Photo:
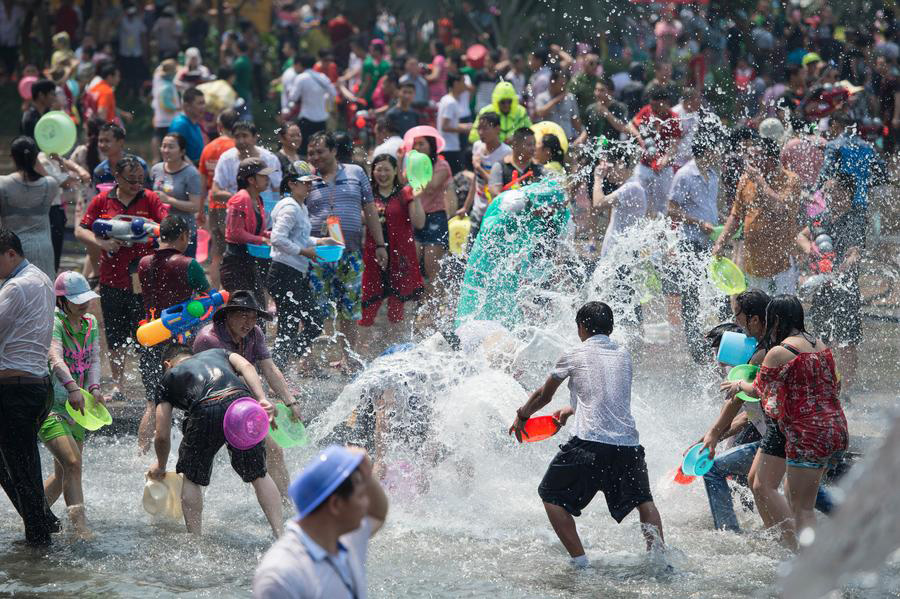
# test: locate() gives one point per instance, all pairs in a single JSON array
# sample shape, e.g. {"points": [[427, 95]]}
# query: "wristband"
{"points": [[69, 382], [92, 387], [381, 245]]}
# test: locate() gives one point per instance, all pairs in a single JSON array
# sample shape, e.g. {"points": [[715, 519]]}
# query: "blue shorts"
{"points": [[435, 231]]}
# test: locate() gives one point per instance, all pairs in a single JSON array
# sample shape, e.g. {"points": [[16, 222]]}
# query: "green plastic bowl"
{"points": [[289, 433], [744, 372], [95, 413], [726, 276]]}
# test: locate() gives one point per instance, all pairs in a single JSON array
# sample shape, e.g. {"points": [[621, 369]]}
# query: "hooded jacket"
{"points": [[516, 119]]}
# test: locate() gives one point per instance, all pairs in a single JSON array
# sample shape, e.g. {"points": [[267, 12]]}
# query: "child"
{"points": [[204, 386], [604, 453], [75, 362], [399, 211]]}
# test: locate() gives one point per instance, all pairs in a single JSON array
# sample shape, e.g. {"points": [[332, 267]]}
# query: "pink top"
{"points": [[241, 225], [432, 197]]}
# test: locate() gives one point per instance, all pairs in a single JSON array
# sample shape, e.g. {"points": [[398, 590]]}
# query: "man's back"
{"points": [[26, 321]]}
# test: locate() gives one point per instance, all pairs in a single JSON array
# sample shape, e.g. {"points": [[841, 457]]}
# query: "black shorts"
{"points": [[435, 231], [204, 436], [773, 441], [454, 160], [836, 314], [122, 311], [582, 468]]}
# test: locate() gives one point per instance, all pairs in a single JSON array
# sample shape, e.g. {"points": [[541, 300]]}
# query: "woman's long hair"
{"points": [[393, 161], [24, 152], [784, 314], [93, 134], [553, 145]]}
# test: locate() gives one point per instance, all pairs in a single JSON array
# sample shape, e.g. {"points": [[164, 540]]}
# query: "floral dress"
{"points": [[802, 398]]}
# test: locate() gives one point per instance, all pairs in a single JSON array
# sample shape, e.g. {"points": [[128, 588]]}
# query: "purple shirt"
{"points": [[216, 336]]}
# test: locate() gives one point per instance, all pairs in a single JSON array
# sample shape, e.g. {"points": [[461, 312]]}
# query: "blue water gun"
{"points": [[181, 319], [127, 229]]}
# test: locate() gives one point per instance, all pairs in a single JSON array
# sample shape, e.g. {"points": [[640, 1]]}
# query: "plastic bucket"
{"points": [[735, 348], [726, 276], [329, 253], [246, 423], [459, 227], [696, 461], [681, 478], [744, 372], [163, 498], [55, 133], [259, 251], [287, 432], [95, 413], [202, 245], [540, 428]]}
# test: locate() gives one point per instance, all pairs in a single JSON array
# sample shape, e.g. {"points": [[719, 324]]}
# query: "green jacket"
{"points": [[516, 119]]}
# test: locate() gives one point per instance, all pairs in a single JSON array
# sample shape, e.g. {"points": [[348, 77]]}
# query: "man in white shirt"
{"points": [[604, 453], [312, 92], [688, 112], [448, 125], [287, 87], [26, 326], [225, 177], [322, 553], [692, 205], [387, 137], [486, 152]]}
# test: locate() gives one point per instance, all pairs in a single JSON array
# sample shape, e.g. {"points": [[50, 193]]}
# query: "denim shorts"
{"points": [[435, 231]]}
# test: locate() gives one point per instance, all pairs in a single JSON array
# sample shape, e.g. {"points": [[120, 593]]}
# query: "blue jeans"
{"points": [[737, 461]]}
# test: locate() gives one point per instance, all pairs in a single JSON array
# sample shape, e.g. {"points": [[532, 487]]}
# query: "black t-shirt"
{"points": [[206, 375], [598, 125], [402, 120], [30, 120]]}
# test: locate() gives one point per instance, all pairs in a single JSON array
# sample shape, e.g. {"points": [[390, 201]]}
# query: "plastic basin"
{"points": [[246, 423], [259, 251], [329, 253], [95, 414], [287, 433], [696, 461], [744, 372], [736, 348], [726, 276]]}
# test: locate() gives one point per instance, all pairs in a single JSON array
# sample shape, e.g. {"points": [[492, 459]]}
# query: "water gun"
{"points": [[825, 245], [517, 180], [127, 229], [181, 319]]}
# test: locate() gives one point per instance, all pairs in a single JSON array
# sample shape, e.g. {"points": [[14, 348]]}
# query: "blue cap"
{"points": [[324, 473]]}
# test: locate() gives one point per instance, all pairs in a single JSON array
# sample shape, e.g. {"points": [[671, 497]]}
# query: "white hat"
{"points": [[771, 128]]}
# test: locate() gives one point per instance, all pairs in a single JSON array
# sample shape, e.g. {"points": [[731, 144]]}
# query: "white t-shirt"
{"points": [[388, 146], [227, 169], [448, 108], [296, 567], [313, 90], [630, 207], [287, 86], [688, 122], [599, 373], [488, 159]]}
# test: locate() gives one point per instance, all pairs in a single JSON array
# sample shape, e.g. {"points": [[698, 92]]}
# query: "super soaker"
{"points": [[181, 318], [127, 229]]}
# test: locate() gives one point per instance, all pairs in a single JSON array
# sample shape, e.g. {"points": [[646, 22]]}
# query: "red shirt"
{"points": [[331, 72], [664, 132], [242, 225], [114, 268], [106, 100], [209, 158]]}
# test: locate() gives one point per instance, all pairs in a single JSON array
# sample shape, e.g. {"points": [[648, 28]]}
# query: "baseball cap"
{"points": [[304, 171], [74, 287], [322, 475], [253, 166], [811, 57]]}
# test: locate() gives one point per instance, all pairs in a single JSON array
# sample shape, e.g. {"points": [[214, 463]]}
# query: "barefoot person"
{"points": [[75, 362], [203, 386], [340, 506], [604, 453]]}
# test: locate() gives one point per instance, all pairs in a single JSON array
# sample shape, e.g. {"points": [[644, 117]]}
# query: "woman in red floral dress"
{"points": [[399, 212], [799, 388]]}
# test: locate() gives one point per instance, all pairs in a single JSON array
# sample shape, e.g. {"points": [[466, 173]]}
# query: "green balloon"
{"points": [[418, 170], [195, 309], [55, 133]]}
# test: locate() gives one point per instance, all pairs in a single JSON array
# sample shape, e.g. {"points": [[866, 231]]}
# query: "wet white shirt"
{"points": [[696, 195], [227, 169], [296, 567], [26, 320], [630, 207], [314, 91], [599, 373]]}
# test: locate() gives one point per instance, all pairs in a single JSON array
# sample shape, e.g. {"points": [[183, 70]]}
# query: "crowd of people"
{"points": [[636, 130]]}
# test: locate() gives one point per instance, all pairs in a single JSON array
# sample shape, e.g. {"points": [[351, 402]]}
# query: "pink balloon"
{"points": [[423, 131], [25, 84]]}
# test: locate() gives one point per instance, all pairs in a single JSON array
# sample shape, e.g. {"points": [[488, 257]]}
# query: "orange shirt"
{"points": [[208, 160], [769, 226], [106, 100]]}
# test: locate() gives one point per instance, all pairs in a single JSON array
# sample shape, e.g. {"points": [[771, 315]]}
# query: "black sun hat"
{"points": [[241, 300]]}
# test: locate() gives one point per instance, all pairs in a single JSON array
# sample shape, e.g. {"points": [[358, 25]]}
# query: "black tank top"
{"points": [[207, 376]]}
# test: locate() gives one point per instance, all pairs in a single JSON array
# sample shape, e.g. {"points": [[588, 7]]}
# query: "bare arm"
{"points": [[416, 213], [248, 372], [219, 194], [192, 205]]}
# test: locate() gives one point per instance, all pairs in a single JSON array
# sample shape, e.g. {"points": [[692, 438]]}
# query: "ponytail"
{"points": [[24, 152]]}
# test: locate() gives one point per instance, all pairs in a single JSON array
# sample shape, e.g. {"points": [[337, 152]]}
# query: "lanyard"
{"points": [[340, 574], [13, 274], [81, 363]]}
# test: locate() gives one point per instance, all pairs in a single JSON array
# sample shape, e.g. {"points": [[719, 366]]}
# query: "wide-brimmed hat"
{"points": [[241, 300]]}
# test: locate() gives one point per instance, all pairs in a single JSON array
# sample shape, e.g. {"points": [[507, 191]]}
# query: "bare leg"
{"points": [[275, 466], [192, 506], [270, 502], [564, 526], [801, 488], [847, 361], [765, 477], [651, 525], [53, 483], [350, 330], [146, 428], [67, 459]]}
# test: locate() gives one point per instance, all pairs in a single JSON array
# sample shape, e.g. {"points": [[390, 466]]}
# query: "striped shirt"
{"points": [[343, 198]]}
